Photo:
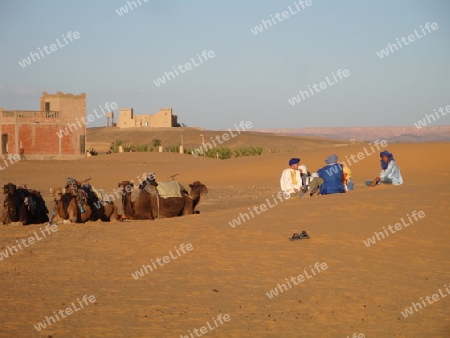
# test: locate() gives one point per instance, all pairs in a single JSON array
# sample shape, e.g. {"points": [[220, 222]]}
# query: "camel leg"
{"points": [[155, 207], [129, 208], [56, 219], [73, 211], [107, 211], [86, 215], [188, 206], [23, 215], [112, 212], [59, 212], [6, 219]]}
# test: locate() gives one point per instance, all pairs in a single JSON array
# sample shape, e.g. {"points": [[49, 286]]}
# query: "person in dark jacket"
{"points": [[330, 178]]}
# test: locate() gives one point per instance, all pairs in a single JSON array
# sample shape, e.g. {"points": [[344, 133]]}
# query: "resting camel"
{"points": [[80, 202], [149, 205], [32, 207], [23, 205], [69, 207]]}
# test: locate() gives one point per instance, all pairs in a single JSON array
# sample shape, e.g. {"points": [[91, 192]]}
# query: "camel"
{"points": [[23, 205], [102, 207], [69, 207], [149, 205], [32, 207]]}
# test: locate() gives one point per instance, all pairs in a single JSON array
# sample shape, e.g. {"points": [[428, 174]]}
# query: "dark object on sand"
{"points": [[297, 236]]}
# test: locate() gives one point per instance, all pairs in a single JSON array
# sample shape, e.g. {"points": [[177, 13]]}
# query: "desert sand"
{"points": [[231, 270]]}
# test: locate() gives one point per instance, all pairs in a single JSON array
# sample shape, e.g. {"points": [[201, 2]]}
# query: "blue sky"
{"points": [[251, 77]]}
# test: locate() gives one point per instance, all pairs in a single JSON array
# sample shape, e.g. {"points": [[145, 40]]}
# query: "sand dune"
{"points": [[231, 270]]}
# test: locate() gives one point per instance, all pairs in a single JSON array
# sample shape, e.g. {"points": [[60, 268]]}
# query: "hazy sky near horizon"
{"points": [[117, 58]]}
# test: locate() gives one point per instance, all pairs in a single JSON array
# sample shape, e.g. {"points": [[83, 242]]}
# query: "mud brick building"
{"points": [[30, 132], [162, 119]]}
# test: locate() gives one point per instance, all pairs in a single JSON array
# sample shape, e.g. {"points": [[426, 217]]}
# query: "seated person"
{"points": [[390, 173], [348, 181], [291, 180], [329, 180]]}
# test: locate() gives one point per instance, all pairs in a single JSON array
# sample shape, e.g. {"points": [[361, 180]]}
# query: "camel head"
{"points": [[9, 189], [57, 194], [125, 187], [198, 189]]}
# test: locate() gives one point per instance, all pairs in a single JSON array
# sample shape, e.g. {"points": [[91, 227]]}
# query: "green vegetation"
{"points": [[173, 149], [218, 152], [251, 151], [141, 148], [115, 146], [127, 147], [156, 142]]}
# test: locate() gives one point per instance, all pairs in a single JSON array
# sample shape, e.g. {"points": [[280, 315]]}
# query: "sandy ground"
{"points": [[231, 270]]}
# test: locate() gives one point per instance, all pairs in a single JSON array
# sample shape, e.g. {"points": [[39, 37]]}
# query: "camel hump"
{"points": [[169, 189]]}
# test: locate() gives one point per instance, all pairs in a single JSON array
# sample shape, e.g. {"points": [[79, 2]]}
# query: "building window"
{"points": [[51, 114], [47, 106]]}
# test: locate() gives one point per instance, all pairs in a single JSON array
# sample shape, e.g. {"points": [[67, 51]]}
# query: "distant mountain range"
{"points": [[390, 134]]}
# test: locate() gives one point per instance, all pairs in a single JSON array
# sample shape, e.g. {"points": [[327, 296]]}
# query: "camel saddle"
{"points": [[169, 189], [102, 195]]}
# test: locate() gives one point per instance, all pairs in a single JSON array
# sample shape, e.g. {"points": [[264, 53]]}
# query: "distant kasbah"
{"points": [[162, 119]]}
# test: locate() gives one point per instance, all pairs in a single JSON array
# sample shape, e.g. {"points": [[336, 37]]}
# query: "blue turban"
{"points": [[390, 158], [294, 161]]}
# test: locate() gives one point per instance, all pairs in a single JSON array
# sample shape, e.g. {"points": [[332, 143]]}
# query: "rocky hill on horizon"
{"points": [[389, 133]]}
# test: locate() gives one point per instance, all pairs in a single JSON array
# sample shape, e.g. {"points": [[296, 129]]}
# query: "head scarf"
{"points": [[332, 159], [390, 158]]}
